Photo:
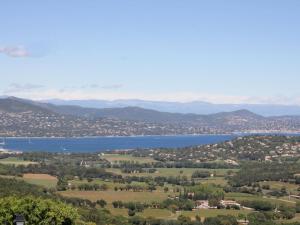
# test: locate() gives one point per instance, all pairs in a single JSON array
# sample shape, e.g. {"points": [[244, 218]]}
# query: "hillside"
{"points": [[195, 107], [253, 148], [21, 117]]}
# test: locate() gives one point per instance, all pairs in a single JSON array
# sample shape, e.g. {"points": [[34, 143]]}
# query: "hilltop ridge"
{"points": [[22, 117]]}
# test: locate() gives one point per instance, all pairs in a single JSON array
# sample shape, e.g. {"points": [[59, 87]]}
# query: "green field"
{"points": [[204, 213], [15, 161], [155, 213], [277, 185], [174, 172], [44, 180], [243, 196], [215, 180], [115, 158], [110, 196], [167, 214]]}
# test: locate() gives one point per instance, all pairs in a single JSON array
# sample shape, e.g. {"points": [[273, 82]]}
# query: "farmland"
{"points": [[15, 161], [40, 179], [111, 196], [115, 158]]}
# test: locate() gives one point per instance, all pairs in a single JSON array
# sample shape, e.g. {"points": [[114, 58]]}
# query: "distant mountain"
{"points": [[196, 107], [22, 117], [16, 105], [152, 116]]}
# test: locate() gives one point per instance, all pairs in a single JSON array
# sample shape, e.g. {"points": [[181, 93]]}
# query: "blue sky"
{"points": [[218, 51]]}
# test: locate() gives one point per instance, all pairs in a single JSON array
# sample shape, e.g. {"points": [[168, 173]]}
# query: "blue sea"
{"points": [[98, 144]]}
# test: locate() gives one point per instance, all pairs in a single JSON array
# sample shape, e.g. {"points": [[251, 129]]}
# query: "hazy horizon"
{"points": [[220, 52]]}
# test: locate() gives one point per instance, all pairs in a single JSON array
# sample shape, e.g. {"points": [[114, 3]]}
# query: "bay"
{"points": [[100, 144]]}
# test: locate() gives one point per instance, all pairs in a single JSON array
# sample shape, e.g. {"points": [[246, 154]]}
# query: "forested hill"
{"points": [[248, 148]]}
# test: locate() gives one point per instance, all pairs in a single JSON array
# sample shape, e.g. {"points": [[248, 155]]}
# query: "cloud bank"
{"points": [[15, 51], [39, 92], [16, 88]]}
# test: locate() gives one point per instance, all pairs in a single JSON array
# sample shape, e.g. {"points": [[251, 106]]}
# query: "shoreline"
{"points": [[164, 135]]}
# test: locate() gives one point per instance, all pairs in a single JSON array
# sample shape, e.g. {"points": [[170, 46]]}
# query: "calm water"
{"points": [[109, 143]]}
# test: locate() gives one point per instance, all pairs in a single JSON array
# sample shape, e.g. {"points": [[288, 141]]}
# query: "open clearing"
{"points": [[204, 213], [173, 172], [155, 213], [115, 158], [16, 161], [110, 196], [45, 180], [278, 185], [243, 196]]}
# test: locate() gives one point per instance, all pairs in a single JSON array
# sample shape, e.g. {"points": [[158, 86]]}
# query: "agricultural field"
{"points": [[16, 161], [174, 172], [110, 185], [115, 158], [243, 196], [40, 179], [155, 213], [110, 196], [215, 180], [204, 213], [277, 185]]}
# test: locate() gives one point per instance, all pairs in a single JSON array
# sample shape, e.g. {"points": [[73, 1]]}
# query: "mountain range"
{"points": [[196, 107], [23, 117]]}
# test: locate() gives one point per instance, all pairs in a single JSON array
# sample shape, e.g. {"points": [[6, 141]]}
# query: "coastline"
{"points": [[163, 135]]}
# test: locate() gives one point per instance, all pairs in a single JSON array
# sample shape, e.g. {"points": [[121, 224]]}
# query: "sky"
{"points": [[172, 50]]}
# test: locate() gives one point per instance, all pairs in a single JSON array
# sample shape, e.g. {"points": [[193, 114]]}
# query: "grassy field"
{"points": [[109, 184], [40, 179], [167, 214], [173, 172], [278, 185], [115, 158], [215, 180], [204, 213], [15, 161], [155, 213], [243, 196], [110, 196]]}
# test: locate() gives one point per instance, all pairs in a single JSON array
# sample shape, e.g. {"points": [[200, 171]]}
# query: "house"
{"points": [[229, 203], [243, 222], [201, 204]]}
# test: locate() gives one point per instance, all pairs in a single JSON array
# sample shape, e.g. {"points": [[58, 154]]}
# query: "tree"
{"points": [[102, 203], [297, 207], [131, 212], [184, 219]]}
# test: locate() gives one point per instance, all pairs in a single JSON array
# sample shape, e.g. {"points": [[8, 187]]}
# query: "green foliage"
{"points": [[259, 205], [297, 207], [36, 211], [201, 174], [11, 187], [264, 171], [204, 192], [221, 220]]}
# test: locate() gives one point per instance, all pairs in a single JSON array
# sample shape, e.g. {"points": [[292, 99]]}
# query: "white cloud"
{"points": [[21, 88], [15, 51]]}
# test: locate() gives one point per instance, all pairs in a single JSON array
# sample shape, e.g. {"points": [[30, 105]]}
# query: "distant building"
{"points": [[243, 222], [229, 203], [201, 204]]}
